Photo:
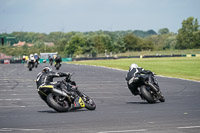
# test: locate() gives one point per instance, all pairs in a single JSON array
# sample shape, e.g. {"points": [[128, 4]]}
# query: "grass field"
{"points": [[180, 67]]}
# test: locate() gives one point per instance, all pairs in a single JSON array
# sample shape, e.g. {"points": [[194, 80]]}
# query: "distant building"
{"points": [[50, 44], [3, 56], [20, 44]]}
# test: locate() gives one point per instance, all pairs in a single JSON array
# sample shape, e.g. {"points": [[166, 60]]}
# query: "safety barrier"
{"points": [[141, 56], [12, 61], [63, 60]]}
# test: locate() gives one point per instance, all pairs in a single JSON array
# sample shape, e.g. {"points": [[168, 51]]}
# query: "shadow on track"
{"points": [[138, 103], [52, 111]]}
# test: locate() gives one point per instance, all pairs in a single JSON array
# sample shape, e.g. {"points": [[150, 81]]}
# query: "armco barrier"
{"points": [[20, 61], [160, 56], [121, 57], [63, 60]]}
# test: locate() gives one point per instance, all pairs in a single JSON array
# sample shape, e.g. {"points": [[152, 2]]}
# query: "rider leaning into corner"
{"points": [[134, 70], [46, 78]]}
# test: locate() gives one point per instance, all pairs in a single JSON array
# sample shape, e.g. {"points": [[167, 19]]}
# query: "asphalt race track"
{"points": [[118, 111]]}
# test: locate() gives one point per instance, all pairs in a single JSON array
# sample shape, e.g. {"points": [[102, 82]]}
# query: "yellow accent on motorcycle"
{"points": [[47, 86], [81, 102]]}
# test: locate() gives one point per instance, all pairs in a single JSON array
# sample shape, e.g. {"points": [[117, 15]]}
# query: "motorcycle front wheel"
{"points": [[57, 103], [146, 94], [162, 99], [89, 103]]}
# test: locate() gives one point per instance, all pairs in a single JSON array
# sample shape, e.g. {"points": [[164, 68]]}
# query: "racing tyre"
{"points": [[162, 99], [30, 68], [57, 104], [57, 67], [89, 103], [146, 94]]}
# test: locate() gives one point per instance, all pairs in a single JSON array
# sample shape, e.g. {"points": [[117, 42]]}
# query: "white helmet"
{"points": [[31, 55], [35, 54], [133, 66]]}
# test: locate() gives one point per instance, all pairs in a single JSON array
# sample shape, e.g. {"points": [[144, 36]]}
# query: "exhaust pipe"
{"points": [[62, 93], [153, 87]]}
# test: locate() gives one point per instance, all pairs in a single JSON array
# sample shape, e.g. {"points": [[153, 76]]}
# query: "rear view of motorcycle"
{"points": [[51, 61], [30, 65], [65, 96], [147, 87], [57, 65], [36, 63]]}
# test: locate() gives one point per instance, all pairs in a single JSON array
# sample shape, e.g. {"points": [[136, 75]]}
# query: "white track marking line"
{"points": [[18, 129], [6, 90], [10, 99], [124, 131], [188, 127], [23, 106], [12, 106]]}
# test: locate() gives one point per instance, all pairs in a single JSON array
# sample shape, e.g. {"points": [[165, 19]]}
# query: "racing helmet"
{"points": [[133, 66], [31, 55], [47, 69], [35, 54]]}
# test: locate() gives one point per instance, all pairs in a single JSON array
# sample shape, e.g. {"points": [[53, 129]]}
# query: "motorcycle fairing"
{"points": [[45, 90], [78, 103], [81, 102]]}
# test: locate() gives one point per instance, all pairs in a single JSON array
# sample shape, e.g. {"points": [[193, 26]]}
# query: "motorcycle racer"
{"points": [[58, 59], [46, 78], [134, 71], [31, 60]]}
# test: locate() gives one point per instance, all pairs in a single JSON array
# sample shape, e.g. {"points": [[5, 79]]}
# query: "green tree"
{"points": [[187, 37], [131, 42], [163, 31], [74, 46]]}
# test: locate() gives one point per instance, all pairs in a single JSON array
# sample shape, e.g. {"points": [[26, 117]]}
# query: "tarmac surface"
{"points": [[118, 111]]}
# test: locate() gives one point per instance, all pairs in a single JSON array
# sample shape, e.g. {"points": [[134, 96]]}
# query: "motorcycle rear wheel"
{"points": [[59, 106], [146, 94]]}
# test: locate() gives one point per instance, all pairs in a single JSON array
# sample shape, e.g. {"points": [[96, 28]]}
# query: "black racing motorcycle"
{"points": [[62, 100], [31, 64], [51, 61], [57, 65], [147, 86], [36, 63]]}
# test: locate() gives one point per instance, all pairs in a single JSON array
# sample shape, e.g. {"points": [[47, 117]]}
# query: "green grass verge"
{"points": [[180, 67]]}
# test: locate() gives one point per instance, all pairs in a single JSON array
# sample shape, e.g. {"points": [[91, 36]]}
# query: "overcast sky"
{"points": [[47, 16]]}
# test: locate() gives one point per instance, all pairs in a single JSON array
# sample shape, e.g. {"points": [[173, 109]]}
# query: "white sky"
{"points": [[47, 16]]}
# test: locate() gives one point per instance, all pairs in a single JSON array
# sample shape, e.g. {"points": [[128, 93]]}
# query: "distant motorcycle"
{"points": [[148, 87], [31, 64], [57, 65], [36, 63], [51, 61], [62, 101]]}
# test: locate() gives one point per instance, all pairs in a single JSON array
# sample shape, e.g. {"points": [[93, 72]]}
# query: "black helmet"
{"points": [[47, 69]]}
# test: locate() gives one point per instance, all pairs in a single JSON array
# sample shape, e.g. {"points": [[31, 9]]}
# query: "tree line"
{"points": [[91, 44]]}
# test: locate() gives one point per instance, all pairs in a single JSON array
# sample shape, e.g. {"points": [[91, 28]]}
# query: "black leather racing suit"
{"points": [[134, 73], [46, 78], [58, 59]]}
